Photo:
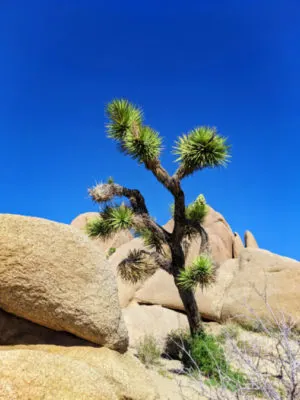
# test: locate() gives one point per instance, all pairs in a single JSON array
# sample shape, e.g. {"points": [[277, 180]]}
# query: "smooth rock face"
{"points": [[217, 227], [220, 238], [263, 274], [152, 320], [74, 373], [126, 290], [250, 240], [238, 245], [53, 275], [114, 242], [160, 289], [15, 330]]}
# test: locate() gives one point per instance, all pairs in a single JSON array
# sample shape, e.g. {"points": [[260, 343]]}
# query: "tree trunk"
{"points": [[187, 295], [188, 299]]}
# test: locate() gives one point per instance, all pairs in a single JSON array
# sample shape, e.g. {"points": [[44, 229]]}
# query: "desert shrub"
{"points": [[111, 251], [206, 353], [148, 351], [203, 353], [270, 363], [176, 344]]}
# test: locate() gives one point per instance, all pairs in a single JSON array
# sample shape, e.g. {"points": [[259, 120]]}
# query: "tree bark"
{"points": [[189, 302], [187, 295]]}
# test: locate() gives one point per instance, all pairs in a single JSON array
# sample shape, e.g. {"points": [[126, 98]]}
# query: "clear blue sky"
{"points": [[231, 64]]}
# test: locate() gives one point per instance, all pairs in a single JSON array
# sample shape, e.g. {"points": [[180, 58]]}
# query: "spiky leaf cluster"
{"points": [[197, 210], [119, 217], [151, 239], [202, 272], [126, 127], [110, 220], [144, 145], [123, 116], [136, 267], [104, 192], [202, 148], [98, 228]]}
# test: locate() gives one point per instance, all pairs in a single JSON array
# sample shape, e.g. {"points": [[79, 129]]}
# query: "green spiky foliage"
{"points": [[99, 227], [150, 239], [202, 272], [143, 144], [195, 211], [112, 219], [123, 116], [126, 127], [136, 267], [119, 217], [202, 148], [110, 179]]}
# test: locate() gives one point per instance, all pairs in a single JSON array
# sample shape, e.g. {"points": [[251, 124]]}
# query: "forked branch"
{"points": [[105, 192]]}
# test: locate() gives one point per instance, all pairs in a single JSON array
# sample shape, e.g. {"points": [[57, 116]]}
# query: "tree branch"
{"points": [[204, 246], [107, 191], [141, 264], [161, 261], [173, 185], [182, 171], [162, 176]]}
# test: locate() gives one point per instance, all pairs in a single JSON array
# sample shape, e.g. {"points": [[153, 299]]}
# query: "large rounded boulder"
{"points": [[160, 289], [265, 286], [72, 373], [220, 235], [53, 275], [126, 290], [114, 242], [156, 321]]}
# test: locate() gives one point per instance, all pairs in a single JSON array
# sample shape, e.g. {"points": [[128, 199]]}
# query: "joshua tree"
{"points": [[201, 148]]}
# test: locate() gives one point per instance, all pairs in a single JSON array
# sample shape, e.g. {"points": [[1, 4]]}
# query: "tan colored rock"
{"points": [[175, 386], [53, 275], [221, 240], [152, 320], [238, 245], [160, 289], [250, 240], [218, 227], [15, 330], [220, 237], [114, 242], [126, 290], [260, 274], [73, 373]]}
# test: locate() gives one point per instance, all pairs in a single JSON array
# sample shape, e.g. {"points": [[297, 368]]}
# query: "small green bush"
{"points": [[203, 353], [207, 354], [148, 351], [111, 251]]}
